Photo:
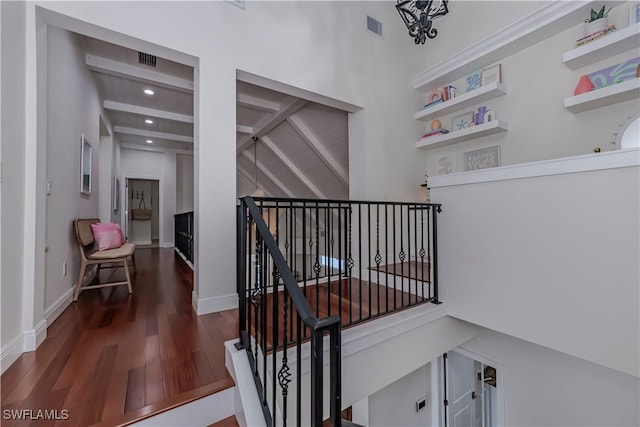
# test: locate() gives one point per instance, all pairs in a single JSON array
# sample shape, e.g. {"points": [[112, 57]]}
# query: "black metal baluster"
{"points": [[299, 369], [436, 210], [409, 253], [316, 265], [369, 253], [360, 260], [402, 256], [386, 257], [340, 261], [350, 266], [327, 255], [395, 289], [263, 309], [316, 378], [421, 253], [378, 258], [284, 374]]}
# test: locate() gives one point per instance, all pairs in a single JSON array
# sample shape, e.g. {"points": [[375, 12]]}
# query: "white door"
{"points": [[464, 391]]}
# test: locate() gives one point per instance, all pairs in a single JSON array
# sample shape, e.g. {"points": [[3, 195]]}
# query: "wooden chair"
{"points": [[89, 255]]}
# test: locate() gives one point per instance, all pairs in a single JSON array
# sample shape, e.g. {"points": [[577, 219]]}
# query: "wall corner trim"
{"points": [[34, 337], [215, 304]]}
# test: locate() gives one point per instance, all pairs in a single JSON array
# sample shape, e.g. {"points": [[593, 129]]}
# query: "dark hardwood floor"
{"points": [[114, 357]]}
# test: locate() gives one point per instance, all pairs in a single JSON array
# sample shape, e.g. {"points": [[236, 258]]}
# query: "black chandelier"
{"points": [[418, 16]]}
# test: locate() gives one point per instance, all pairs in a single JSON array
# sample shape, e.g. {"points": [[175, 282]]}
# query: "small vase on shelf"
{"points": [[584, 85]]}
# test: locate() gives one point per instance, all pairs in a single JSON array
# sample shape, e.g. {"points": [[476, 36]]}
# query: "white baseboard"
{"points": [[215, 304], [56, 309], [34, 337], [168, 245], [11, 351]]}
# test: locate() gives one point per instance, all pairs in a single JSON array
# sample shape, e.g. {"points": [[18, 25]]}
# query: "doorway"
{"points": [[472, 389], [143, 222]]}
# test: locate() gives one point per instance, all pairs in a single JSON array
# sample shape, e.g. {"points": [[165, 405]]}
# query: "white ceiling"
{"points": [[302, 148]]}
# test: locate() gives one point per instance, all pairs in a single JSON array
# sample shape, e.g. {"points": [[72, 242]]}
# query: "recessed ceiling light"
{"points": [[149, 141], [149, 92], [149, 121]]}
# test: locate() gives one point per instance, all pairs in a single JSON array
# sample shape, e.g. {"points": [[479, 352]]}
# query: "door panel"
{"points": [[461, 387]]}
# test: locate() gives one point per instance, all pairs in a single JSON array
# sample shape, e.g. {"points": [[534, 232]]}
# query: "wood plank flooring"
{"points": [[112, 356]]}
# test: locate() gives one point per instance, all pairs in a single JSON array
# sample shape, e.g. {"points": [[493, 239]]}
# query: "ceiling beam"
{"points": [[244, 129], [255, 103], [314, 143], [152, 134], [269, 123], [292, 167], [149, 112], [139, 74], [268, 174]]}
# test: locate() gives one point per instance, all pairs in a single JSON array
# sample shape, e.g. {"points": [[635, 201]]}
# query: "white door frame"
{"points": [[437, 387], [125, 197]]}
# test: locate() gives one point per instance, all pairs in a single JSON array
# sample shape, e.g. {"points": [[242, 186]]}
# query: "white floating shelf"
{"points": [[468, 134], [542, 24], [619, 92], [476, 96], [617, 42]]}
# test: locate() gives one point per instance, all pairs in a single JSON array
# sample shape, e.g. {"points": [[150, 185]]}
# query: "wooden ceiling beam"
{"points": [[149, 112], [255, 103], [139, 74], [152, 134], [269, 123]]}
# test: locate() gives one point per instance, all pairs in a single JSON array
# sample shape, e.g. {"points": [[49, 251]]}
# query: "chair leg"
{"points": [[83, 268], [133, 262], [125, 261]]}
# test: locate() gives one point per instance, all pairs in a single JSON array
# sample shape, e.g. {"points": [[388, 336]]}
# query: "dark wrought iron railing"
{"points": [[309, 267], [184, 234]]}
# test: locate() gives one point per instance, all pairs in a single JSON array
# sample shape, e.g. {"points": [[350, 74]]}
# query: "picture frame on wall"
{"points": [[492, 74], [634, 13], [461, 121], [86, 159], [482, 159]]}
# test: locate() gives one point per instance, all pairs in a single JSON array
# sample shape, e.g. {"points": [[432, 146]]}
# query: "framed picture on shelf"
{"points": [[492, 74], [473, 81], [634, 14], [461, 121]]}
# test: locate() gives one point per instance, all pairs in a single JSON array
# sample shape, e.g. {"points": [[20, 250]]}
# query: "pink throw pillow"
{"points": [[122, 239], [106, 236]]}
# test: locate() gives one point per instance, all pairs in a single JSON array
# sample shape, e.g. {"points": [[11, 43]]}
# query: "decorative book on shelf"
{"points": [[439, 131]]}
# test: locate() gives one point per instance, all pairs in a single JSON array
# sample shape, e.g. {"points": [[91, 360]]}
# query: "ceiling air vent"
{"points": [[374, 26], [146, 59]]}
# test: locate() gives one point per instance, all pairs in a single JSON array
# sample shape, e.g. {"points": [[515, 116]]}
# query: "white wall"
{"points": [[160, 165], [322, 47], [547, 388], [74, 108], [184, 183], [537, 83], [12, 135], [550, 259], [395, 405]]}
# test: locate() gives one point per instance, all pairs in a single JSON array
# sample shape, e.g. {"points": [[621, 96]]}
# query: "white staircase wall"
{"points": [[547, 256]]}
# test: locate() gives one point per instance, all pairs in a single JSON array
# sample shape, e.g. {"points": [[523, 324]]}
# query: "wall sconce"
{"points": [[418, 16]]}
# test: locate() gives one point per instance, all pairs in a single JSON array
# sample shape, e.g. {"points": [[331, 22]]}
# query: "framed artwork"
{"points": [[446, 163], [615, 74], [634, 15], [86, 157], [473, 81], [492, 74], [482, 159], [461, 121], [116, 194]]}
